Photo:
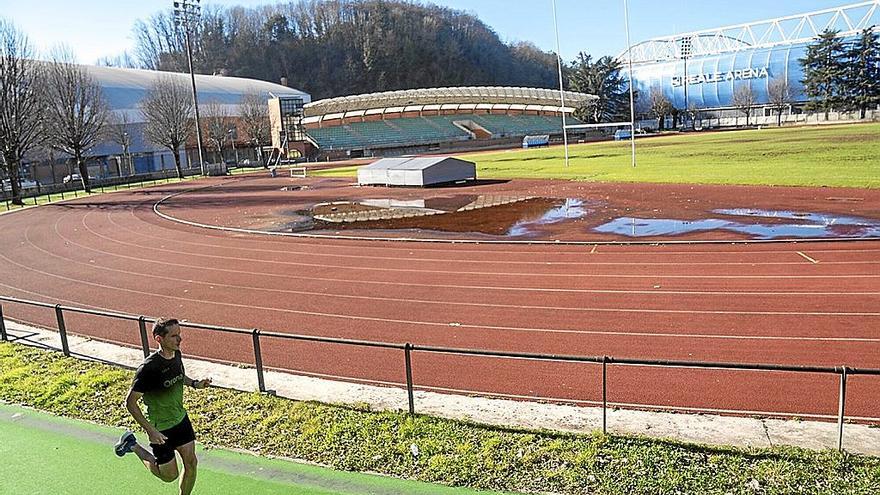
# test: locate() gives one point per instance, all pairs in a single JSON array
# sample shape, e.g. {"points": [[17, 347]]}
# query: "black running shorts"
{"points": [[178, 435]]}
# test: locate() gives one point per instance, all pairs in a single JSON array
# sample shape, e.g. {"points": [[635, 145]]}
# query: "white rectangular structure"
{"points": [[416, 171]]}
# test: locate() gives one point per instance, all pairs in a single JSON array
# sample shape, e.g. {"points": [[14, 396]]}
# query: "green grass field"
{"points": [[837, 156]]}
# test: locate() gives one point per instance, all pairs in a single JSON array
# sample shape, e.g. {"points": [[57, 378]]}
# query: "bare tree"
{"points": [[780, 95], [168, 109], [119, 130], [660, 106], [255, 121], [76, 110], [217, 121], [21, 103], [744, 99]]}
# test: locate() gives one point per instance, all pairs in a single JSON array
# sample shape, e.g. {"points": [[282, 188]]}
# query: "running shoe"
{"points": [[125, 444]]}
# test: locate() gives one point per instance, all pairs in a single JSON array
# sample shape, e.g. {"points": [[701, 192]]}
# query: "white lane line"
{"points": [[447, 286], [389, 299], [811, 260], [490, 262], [443, 324], [484, 273]]}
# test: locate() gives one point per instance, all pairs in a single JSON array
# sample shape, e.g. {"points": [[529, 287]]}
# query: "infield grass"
{"points": [[834, 155]]}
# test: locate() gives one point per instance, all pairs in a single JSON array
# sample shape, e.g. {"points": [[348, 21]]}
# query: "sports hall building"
{"points": [[702, 70]]}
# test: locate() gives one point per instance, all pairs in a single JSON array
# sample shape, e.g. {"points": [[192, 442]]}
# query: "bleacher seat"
{"points": [[419, 131]]}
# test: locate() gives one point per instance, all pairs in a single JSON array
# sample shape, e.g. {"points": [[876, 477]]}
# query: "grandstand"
{"points": [[407, 121]]}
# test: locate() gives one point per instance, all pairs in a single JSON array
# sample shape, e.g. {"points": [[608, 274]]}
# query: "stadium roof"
{"points": [[435, 96], [801, 28], [125, 88]]}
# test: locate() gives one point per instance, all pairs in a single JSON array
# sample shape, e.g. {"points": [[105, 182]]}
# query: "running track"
{"points": [[802, 304]]}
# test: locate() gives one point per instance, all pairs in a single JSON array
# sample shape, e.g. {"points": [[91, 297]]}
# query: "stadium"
{"points": [[417, 120], [701, 70]]}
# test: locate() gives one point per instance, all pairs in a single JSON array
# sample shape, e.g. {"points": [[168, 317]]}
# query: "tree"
{"points": [[744, 100], [21, 103], [862, 76], [660, 106], [824, 72], [779, 95], [603, 80], [255, 121], [168, 110], [119, 130], [216, 123], [76, 110]]}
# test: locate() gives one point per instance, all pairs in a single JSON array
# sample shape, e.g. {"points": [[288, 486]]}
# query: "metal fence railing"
{"points": [[843, 372], [73, 189]]}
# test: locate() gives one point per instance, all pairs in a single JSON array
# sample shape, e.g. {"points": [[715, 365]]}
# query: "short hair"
{"points": [[163, 326]]}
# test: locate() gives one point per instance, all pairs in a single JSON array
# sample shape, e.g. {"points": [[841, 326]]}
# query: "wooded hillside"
{"points": [[341, 47]]}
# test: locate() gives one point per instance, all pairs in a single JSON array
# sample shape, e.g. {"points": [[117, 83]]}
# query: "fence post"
{"points": [[145, 343], [62, 330], [3, 336], [407, 351], [258, 360], [841, 408], [604, 395]]}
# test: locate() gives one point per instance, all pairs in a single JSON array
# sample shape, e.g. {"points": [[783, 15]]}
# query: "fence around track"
{"points": [[74, 189], [407, 349]]}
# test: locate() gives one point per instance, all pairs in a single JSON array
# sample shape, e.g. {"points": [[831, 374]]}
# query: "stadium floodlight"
{"points": [[561, 90], [186, 13], [632, 105]]}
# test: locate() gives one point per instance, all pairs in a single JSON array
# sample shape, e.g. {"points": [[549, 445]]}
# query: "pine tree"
{"points": [[862, 81], [824, 72], [601, 78]]}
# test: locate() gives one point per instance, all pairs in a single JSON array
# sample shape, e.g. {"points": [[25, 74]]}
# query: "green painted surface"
{"points": [[45, 454]]}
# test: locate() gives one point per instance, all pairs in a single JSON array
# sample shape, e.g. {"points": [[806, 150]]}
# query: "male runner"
{"points": [[159, 381]]}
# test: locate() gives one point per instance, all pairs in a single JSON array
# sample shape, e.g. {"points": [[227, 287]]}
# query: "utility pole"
{"points": [[185, 14]]}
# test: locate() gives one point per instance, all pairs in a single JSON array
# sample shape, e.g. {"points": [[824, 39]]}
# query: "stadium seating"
{"points": [[418, 131]]}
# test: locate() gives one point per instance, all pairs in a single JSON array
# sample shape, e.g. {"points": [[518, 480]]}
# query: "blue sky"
{"points": [[98, 28]]}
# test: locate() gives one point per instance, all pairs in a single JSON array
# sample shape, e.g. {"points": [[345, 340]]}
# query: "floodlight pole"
{"points": [[185, 12], [632, 106], [561, 90]]}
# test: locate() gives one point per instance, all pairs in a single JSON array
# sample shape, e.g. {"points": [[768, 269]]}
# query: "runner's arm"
{"points": [[131, 403], [189, 382]]}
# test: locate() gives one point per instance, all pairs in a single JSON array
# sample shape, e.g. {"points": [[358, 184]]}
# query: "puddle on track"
{"points": [[793, 225]]}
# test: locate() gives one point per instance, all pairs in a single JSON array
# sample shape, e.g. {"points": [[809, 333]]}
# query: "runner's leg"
{"points": [[188, 456], [166, 472]]}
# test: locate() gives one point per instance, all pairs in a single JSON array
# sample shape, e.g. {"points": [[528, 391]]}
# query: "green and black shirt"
{"points": [[161, 382]]}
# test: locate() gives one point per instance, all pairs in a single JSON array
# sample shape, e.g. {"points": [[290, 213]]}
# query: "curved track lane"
{"points": [[800, 304]]}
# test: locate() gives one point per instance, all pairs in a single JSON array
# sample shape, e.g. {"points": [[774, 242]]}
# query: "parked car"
{"points": [[74, 178], [25, 184]]}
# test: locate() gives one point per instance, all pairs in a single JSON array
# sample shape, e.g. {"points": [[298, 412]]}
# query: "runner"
{"points": [[159, 381]]}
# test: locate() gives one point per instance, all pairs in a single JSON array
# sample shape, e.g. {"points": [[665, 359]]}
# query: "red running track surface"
{"points": [[794, 304]]}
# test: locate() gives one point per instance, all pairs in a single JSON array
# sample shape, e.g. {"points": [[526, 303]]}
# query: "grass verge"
{"points": [[449, 452], [837, 156]]}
